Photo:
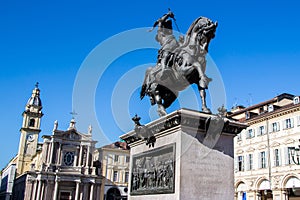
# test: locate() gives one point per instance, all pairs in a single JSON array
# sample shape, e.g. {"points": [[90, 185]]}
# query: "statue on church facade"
{"points": [[179, 63]]}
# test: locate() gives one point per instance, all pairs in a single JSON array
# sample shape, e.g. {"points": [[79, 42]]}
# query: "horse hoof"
{"points": [[162, 113], [206, 110]]}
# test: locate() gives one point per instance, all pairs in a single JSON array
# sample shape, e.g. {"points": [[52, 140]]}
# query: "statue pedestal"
{"points": [[192, 157]]}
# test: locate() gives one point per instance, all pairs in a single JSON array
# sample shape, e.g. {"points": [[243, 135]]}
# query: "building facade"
{"points": [[265, 161], [63, 169], [115, 168], [7, 181], [59, 168]]}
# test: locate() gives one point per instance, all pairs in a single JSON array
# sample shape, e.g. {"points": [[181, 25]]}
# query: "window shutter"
{"points": [[286, 155], [246, 161], [259, 161], [292, 122], [270, 128], [279, 157], [267, 159], [236, 164], [274, 158]]}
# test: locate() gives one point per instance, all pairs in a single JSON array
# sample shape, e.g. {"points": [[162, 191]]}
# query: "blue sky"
{"points": [[256, 50]]}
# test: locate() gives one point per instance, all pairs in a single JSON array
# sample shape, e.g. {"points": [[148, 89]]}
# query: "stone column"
{"points": [[277, 194], [85, 191], [251, 195], [98, 191], [43, 189], [51, 152], [28, 190], [258, 196], [81, 195], [48, 153], [75, 159], [87, 157], [285, 195], [80, 157], [33, 189], [55, 190], [39, 189], [92, 191], [77, 190], [58, 154]]}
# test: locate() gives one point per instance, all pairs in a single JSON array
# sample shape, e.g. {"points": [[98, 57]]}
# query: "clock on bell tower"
{"points": [[29, 131]]}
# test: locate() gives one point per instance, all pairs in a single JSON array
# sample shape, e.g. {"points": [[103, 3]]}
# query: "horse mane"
{"points": [[189, 31]]}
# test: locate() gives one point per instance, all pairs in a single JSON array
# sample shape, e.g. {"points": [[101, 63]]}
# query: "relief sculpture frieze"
{"points": [[153, 172]]}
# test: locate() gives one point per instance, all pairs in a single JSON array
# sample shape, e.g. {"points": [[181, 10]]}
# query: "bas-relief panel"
{"points": [[153, 172]]}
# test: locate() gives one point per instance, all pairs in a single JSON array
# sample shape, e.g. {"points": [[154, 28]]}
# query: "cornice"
{"points": [[272, 115], [187, 120]]}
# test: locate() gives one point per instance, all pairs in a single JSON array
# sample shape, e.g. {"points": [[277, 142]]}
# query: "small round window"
{"points": [[69, 158]]}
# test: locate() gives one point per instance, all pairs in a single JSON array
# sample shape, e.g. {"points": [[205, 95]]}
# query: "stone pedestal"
{"points": [[189, 155]]}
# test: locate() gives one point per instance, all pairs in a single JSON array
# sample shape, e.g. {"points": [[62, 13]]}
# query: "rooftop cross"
{"points": [[73, 113]]}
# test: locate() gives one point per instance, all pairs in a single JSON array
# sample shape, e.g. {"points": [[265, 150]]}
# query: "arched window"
{"points": [[31, 123]]}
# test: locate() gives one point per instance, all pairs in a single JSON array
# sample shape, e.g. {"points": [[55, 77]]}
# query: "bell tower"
{"points": [[29, 131]]}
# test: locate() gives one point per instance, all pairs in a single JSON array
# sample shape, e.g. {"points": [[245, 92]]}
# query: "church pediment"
{"points": [[71, 135]]}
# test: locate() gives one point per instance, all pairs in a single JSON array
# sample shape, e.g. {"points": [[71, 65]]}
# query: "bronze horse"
{"points": [[179, 64]]}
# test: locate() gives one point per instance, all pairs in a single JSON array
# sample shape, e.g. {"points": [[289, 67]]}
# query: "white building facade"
{"points": [[115, 168], [265, 163]]}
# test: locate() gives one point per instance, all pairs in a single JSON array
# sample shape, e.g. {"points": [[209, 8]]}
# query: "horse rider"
{"points": [[167, 41]]}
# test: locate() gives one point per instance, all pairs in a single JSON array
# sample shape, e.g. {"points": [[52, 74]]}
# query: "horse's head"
{"points": [[201, 32]]}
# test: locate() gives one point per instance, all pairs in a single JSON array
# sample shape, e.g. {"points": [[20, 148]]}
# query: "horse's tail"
{"points": [[146, 83], [143, 91]]}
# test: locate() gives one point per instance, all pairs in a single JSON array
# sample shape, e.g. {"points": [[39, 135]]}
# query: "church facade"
{"points": [[61, 167]]}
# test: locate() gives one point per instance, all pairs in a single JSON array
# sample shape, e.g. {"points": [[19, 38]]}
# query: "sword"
{"points": [[174, 21]]}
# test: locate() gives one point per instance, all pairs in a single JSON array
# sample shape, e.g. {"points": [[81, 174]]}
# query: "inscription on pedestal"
{"points": [[153, 172]]}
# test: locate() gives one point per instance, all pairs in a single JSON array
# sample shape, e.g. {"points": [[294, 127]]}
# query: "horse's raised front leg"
{"points": [[203, 79], [203, 98]]}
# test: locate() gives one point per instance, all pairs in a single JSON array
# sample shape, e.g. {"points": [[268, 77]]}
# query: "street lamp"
{"points": [[295, 154]]}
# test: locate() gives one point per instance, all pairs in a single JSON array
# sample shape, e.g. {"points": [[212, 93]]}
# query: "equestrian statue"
{"points": [[179, 63]]}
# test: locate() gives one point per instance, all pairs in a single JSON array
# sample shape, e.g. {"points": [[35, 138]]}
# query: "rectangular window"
{"points": [[289, 156], [115, 178], [276, 158], [263, 159], [261, 130], [250, 133], [250, 161], [241, 163], [126, 177], [275, 127], [127, 159], [116, 158], [239, 137], [288, 123], [298, 120]]}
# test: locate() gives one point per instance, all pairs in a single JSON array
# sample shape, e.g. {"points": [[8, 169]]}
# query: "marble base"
{"points": [[202, 158]]}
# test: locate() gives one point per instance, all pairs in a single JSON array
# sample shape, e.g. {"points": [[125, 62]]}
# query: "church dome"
{"points": [[35, 100]]}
